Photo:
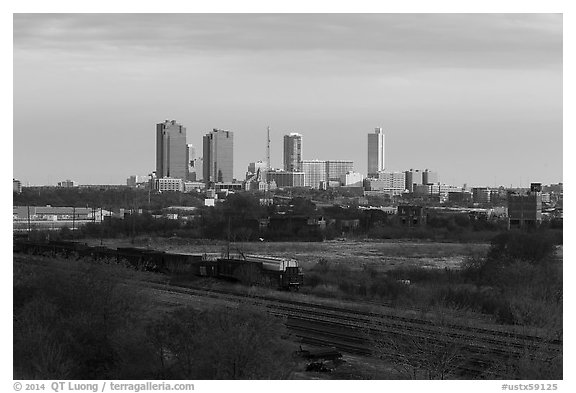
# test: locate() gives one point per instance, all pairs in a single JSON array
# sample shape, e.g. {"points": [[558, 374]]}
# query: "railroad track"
{"points": [[349, 330]]}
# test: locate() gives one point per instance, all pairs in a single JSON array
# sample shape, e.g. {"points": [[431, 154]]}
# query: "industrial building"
{"points": [[525, 208], [412, 216]]}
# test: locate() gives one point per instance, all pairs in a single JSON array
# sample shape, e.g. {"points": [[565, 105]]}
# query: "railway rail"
{"points": [[349, 330]]}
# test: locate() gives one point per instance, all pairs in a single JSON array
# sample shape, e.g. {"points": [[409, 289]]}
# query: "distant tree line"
{"points": [[241, 217]]}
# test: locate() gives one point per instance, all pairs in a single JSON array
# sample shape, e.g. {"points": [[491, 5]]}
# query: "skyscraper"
{"points": [[171, 150], [293, 152], [376, 152], [218, 156]]}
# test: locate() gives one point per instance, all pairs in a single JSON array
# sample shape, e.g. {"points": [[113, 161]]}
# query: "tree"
{"points": [[419, 355], [222, 344]]}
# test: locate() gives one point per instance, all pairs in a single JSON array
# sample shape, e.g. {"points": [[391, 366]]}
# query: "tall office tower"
{"points": [[314, 172], [171, 150], [219, 156], [376, 152], [292, 152], [335, 169]]}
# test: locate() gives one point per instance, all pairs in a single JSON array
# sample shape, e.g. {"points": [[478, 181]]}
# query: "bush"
{"points": [[221, 344], [530, 247]]}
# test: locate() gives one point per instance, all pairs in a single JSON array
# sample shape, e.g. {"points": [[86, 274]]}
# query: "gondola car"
{"points": [[284, 273]]}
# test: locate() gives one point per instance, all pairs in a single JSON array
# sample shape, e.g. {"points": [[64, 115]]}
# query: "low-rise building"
{"points": [[412, 216], [194, 186], [459, 196], [67, 183], [138, 181], [352, 179], [285, 179], [169, 184], [481, 195], [525, 208]]}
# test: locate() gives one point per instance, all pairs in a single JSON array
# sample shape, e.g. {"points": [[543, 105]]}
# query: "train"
{"points": [[262, 270]]}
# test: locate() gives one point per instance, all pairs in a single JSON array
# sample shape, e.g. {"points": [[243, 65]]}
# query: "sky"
{"points": [[475, 97]]}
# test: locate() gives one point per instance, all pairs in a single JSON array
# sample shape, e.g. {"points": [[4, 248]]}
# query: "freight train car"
{"points": [[283, 273]]}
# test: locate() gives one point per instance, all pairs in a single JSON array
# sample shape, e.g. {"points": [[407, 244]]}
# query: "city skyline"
{"points": [[482, 109]]}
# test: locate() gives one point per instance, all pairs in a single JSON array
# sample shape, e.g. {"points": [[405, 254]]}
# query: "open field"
{"points": [[380, 255]]}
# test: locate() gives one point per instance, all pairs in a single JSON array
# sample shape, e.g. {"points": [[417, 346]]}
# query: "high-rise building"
{"points": [[335, 169], [191, 158], [219, 156], [376, 161], [413, 177], [292, 152], [171, 150], [314, 172], [199, 167], [429, 177]]}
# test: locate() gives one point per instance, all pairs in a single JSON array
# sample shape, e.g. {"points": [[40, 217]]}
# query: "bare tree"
{"points": [[419, 355]]}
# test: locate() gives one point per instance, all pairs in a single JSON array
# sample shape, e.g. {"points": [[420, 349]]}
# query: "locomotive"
{"points": [[282, 273]]}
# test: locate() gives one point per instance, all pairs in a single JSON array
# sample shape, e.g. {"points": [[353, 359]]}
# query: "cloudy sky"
{"points": [[476, 97]]}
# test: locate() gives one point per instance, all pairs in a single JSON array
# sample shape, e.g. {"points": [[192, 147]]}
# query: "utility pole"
{"points": [[28, 222], [268, 165], [268, 152], [101, 227], [73, 220]]}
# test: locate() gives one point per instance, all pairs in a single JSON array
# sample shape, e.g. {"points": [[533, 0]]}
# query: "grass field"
{"points": [[380, 255]]}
